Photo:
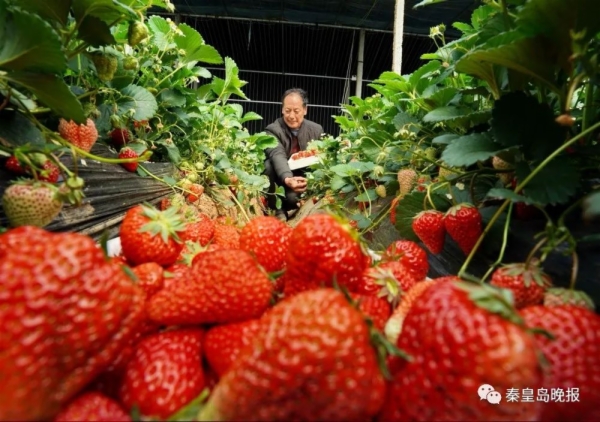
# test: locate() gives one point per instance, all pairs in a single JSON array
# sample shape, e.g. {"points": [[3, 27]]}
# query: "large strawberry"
{"points": [[31, 203], [150, 235], [200, 230], [267, 239], [411, 255], [527, 282], [224, 286], [226, 235], [224, 343], [461, 336], [83, 136], [429, 227], [165, 373], [573, 354], [463, 224], [93, 406], [312, 360], [322, 251], [66, 314]]}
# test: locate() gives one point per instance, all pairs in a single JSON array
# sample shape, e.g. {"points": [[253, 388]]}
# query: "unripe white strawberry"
{"points": [[31, 203]]}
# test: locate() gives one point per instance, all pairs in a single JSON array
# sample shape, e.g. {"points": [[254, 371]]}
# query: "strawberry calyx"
{"points": [[165, 223], [384, 348], [495, 300], [560, 296], [192, 409], [532, 273], [456, 208], [390, 287]]}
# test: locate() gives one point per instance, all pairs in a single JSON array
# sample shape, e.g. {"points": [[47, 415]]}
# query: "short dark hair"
{"points": [[298, 91]]}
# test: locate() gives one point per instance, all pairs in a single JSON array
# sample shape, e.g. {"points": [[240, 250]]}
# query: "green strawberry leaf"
{"points": [[139, 99], [29, 43], [591, 205], [457, 116], [159, 27], [16, 130], [95, 32], [57, 10], [195, 48], [520, 120], [107, 10], [554, 184], [501, 193], [52, 91], [470, 149]]}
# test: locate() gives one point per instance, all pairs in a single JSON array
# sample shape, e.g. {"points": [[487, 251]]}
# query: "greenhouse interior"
{"points": [[300, 210]]}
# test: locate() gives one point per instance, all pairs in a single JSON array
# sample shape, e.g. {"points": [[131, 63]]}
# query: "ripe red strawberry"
{"points": [[526, 212], [31, 203], [267, 239], [149, 277], [393, 326], [573, 355], [66, 314], [559, 296], [126, 153], [393, 209], [312, 360], [323, 250], [50, 173], [150, 235], [13, 165], [226, 235], [429, 227], [83, 136], [201, 231], [225, 286], [407, 178], [463, 224], [455, 332], [411, 255], [527, 283], [120, 136], [223, 343], [378, 309], [165, 373], [197, 191], [93, 406]]}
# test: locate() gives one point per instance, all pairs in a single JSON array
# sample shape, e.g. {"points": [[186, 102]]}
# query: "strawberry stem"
{"points": [[534, 251], [574, 270], [503, 247]]}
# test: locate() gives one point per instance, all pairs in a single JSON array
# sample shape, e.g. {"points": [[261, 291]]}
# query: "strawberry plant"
{"points": [[503, 119], [105, 72]]}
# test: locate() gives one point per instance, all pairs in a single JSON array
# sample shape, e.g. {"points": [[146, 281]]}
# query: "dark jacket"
{"points": [[280, 155]]}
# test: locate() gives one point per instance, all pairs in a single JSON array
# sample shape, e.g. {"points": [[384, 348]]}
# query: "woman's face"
{"points": [[293, 111]]}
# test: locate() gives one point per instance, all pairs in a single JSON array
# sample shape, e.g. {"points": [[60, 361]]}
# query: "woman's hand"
{"points": [[297, 184]]}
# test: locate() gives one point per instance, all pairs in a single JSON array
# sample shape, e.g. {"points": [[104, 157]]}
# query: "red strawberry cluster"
{"points": [[200, 319], [304, 154]]}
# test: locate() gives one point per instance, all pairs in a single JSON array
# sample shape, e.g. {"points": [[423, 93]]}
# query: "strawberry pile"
{"points": [[304, 154], [199, 319]]}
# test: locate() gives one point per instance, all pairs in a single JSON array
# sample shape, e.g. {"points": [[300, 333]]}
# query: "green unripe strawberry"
{"points": [[106, 65], [430, 153], [130, 63], [115, 121], [31, 203], [137, 33], [381, 191]]}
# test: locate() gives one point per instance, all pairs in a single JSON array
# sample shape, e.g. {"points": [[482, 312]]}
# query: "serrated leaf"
{"points": [[265, 141], [172, 98], [501, 193], [470, 149], [441, 97], [16, 130], [172, 151], [29, 43], [95, 32], [465, 28], [159, 27], [140, 99], [445, 139], [196, 50], [343, 170], [368, 195], [513, 50], [250, 116], [52, 91], [422, 72], [403, 119], [57, 10], [462, 116], [411, 205], [337, 183], [520, 120], [554, 184], [107, 10]]}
